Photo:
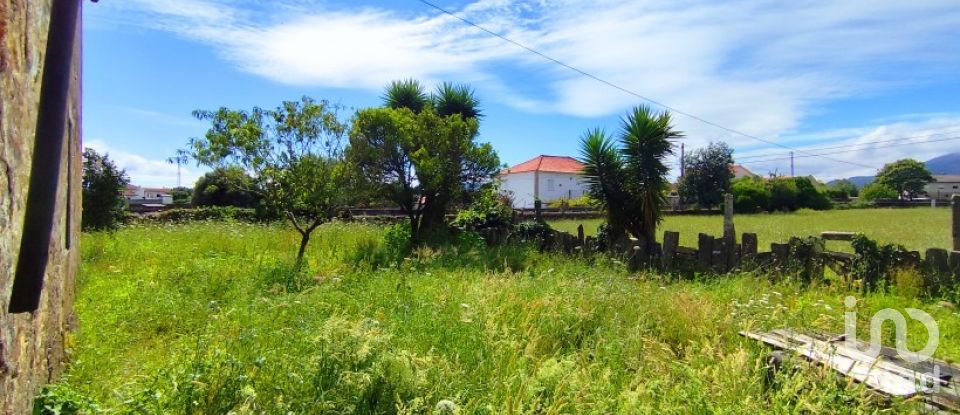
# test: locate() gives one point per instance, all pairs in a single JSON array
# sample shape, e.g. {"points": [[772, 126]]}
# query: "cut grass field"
{"points": [[207, 318], [914, 228]]}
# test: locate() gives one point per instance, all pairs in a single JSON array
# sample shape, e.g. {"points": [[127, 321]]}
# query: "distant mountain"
{"points": [[945, 164]]}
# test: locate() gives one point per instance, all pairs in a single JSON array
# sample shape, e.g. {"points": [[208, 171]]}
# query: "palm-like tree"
{"points": [[408, 93], [456, 99], [628, 175]]}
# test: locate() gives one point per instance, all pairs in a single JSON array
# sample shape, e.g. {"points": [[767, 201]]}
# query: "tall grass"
{"points": [[209, 318], [915, 228]]}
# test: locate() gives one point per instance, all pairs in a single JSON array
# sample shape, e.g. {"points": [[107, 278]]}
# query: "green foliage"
{"points": [[418, 156], [294, 152], [532, 230], [181, 195], [707, 176], [877, 191], [225, 186], [783, 194], [63, 399], [907, 177], [627, 175], [876, 264], [189, 319], [103, 186], [488, 210], [842, 190], [809, 196], [584, 201], [215, 213], [750, 195]]}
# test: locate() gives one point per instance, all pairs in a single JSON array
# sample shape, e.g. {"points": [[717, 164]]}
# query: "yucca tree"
{"points": [[450, 99], [627, 174], [408, 93]]}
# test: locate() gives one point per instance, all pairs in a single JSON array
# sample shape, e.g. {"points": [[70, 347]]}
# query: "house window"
{"points": [[550, 185]]}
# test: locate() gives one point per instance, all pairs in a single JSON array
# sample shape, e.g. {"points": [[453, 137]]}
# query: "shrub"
{"points": [[103, 185], [750, 195], [62, 399], [532, 230], [489, 210], [808, 196], [783, 194], [225, 186], [875, 191], [581, 202], [208, 213]]}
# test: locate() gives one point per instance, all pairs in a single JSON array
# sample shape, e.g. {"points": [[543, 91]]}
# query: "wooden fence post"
{"points": [[671, 240], [580, 235], [749, 245], [956, 222], [729, 234], [705, 250]]}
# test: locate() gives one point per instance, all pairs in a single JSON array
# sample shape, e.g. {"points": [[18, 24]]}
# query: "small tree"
{"points": [[907, 177], [627, 175], [842, 189], [750, 195], [876, 191], [181, 195], [225, 186], [809, 196], [420, 150], [103, 186], [294, 154], [707, 175]]}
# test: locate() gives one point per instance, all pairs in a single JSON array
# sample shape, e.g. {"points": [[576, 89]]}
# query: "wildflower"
{"points": [[464, 305], [550, 271], [446, 406]]}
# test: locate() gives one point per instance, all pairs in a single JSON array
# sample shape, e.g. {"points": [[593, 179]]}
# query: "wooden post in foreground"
{"points": [[956, 222], [729, 234]]}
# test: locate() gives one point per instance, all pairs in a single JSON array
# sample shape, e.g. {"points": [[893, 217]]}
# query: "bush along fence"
{"points": [[871, 266]]}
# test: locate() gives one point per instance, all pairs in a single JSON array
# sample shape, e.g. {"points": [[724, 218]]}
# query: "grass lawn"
{"points": [[915, 228], [208, 318]]}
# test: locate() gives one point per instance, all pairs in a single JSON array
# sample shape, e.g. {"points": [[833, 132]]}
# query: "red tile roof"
{"points": [[556, 164], [737, 169]]}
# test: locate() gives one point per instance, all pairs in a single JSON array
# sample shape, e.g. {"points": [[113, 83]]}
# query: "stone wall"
{"points": [[32, 344]]}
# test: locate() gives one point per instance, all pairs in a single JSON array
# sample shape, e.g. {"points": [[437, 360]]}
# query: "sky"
{"points": [[866, 81]]}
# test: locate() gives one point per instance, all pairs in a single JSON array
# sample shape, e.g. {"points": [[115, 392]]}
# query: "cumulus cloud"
{"points": [[143, 171], [757, 67]]}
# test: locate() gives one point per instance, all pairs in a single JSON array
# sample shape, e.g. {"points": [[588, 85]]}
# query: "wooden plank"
{"points": [[705, 250], [671, 240], [837, 236], [749, 245]]}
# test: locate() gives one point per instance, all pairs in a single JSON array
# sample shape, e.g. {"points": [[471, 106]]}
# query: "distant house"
{"points": [[547, 178], [740, 172], [137, 195], [943, 187]]}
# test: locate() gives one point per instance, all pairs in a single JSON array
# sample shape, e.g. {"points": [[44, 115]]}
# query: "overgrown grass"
{"points": [[208, 318], [915, 228]]}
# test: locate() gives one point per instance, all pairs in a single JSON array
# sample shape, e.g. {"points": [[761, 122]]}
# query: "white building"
{"points": [[547, 178], [943, 187], [147, 195]]}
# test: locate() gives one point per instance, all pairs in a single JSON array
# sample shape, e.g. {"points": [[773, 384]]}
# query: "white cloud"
{"points": [[757, 67], [144, 171]]}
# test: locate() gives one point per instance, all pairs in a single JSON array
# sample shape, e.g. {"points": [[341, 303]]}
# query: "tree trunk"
{"points": [[304, 240]]}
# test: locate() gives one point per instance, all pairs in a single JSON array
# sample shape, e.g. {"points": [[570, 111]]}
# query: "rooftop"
{"points": [[555, 164]]}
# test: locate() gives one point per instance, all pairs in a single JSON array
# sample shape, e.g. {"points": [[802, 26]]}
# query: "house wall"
{"points": [[553, 186], [32, 344], [942, 190]]}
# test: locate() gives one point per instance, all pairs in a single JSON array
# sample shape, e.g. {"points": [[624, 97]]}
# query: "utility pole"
{"points": [[683, 166], [791, 164]]}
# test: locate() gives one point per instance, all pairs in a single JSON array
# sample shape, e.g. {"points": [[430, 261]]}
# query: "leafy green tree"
{"points": [[907, 177], [876, 191], [707, 175], [627, 176], [181, 195], [783, 194], [809, 196], [750, 195], [420, 151], [225, 186], [842, 189], [103, 185], [294, 153]]}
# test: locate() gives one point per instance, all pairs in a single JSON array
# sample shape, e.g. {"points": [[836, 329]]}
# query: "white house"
{"points": [[943, 187], [547, 178], [137, 195]]}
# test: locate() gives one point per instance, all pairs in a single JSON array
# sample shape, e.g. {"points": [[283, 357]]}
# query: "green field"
{"points": [[208, 318], [915, 228]]}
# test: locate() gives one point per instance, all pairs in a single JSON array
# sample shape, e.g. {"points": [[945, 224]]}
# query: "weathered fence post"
{"points": [[955, 266], [671, 240], [537, 211], [749, 245], [956, 222], [705, 250], [936, 260], [729, 234], [580, 235]]}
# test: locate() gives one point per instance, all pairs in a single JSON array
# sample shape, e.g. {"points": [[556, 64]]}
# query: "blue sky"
{"points": [[806, 74]]}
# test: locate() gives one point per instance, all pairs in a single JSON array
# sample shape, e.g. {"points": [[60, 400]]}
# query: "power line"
{"points": [[625, 90], [864, 143], [952, 138]]}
